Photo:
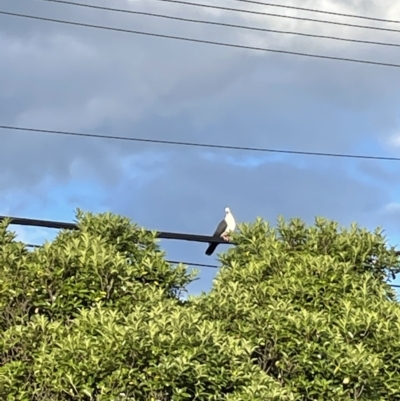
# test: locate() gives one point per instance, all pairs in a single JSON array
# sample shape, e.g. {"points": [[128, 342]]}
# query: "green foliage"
{"points": [[166, 351], [296, 313], [315, 303], [108, 259]]}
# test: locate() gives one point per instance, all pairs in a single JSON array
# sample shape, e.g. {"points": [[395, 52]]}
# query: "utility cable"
{"points": [[273, 15], [193, 264], [237, 46], [313, 10], [201, 145], [172, 262], [224, 24], [72, 226], [291, 8]]}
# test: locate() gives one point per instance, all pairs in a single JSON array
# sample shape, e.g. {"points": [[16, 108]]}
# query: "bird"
{"points": [[226, 226]]}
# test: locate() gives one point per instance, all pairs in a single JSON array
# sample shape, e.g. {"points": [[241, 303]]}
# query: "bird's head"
{"points": [[227, 210]]}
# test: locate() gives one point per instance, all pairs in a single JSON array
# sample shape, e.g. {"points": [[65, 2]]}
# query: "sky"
{"points": [[61, 77]]}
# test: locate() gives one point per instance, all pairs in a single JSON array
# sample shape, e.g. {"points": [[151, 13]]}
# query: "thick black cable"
{"points": [[275, 15], [319, 11], [223, 24], [201, 145], [209, 42], [72, 226]]}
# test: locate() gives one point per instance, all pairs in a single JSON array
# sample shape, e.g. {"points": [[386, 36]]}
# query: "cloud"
{"points": [[393, 207], [392, 211], [394, 140]]}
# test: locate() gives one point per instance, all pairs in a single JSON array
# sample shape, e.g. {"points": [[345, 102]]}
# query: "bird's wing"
{"points": [[222, 226]]}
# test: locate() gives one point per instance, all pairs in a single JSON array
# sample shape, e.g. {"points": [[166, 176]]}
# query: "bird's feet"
{"points": [[226, 238]]}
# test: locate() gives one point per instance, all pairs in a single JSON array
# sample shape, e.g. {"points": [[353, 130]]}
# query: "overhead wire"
{"points": [[201, 145], [313, 10], [175, 262], [237, 26], [199, 264], [72, 226], [203, 41], [292, 8], [240, 10], [172, 262], [193, 264]]}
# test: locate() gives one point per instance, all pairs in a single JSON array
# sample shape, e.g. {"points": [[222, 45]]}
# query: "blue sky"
{"points": [[71, 78]]}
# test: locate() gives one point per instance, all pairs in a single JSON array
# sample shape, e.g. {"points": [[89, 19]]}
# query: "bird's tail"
{"points": [[211, 248]]}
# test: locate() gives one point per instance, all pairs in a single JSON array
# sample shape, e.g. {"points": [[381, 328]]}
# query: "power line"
{"points": [[223, 24], [201, 145], [72, 226], [319, 11], [237, 46], [195, 264], [275, 15], [172, 262], [283, 6]]}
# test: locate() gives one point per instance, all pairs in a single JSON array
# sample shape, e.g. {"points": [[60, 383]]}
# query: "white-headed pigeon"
{"points": [[226, 226]]}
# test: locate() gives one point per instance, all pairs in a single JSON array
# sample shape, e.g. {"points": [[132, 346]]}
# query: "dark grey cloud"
{"points": [[204, 189]]}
